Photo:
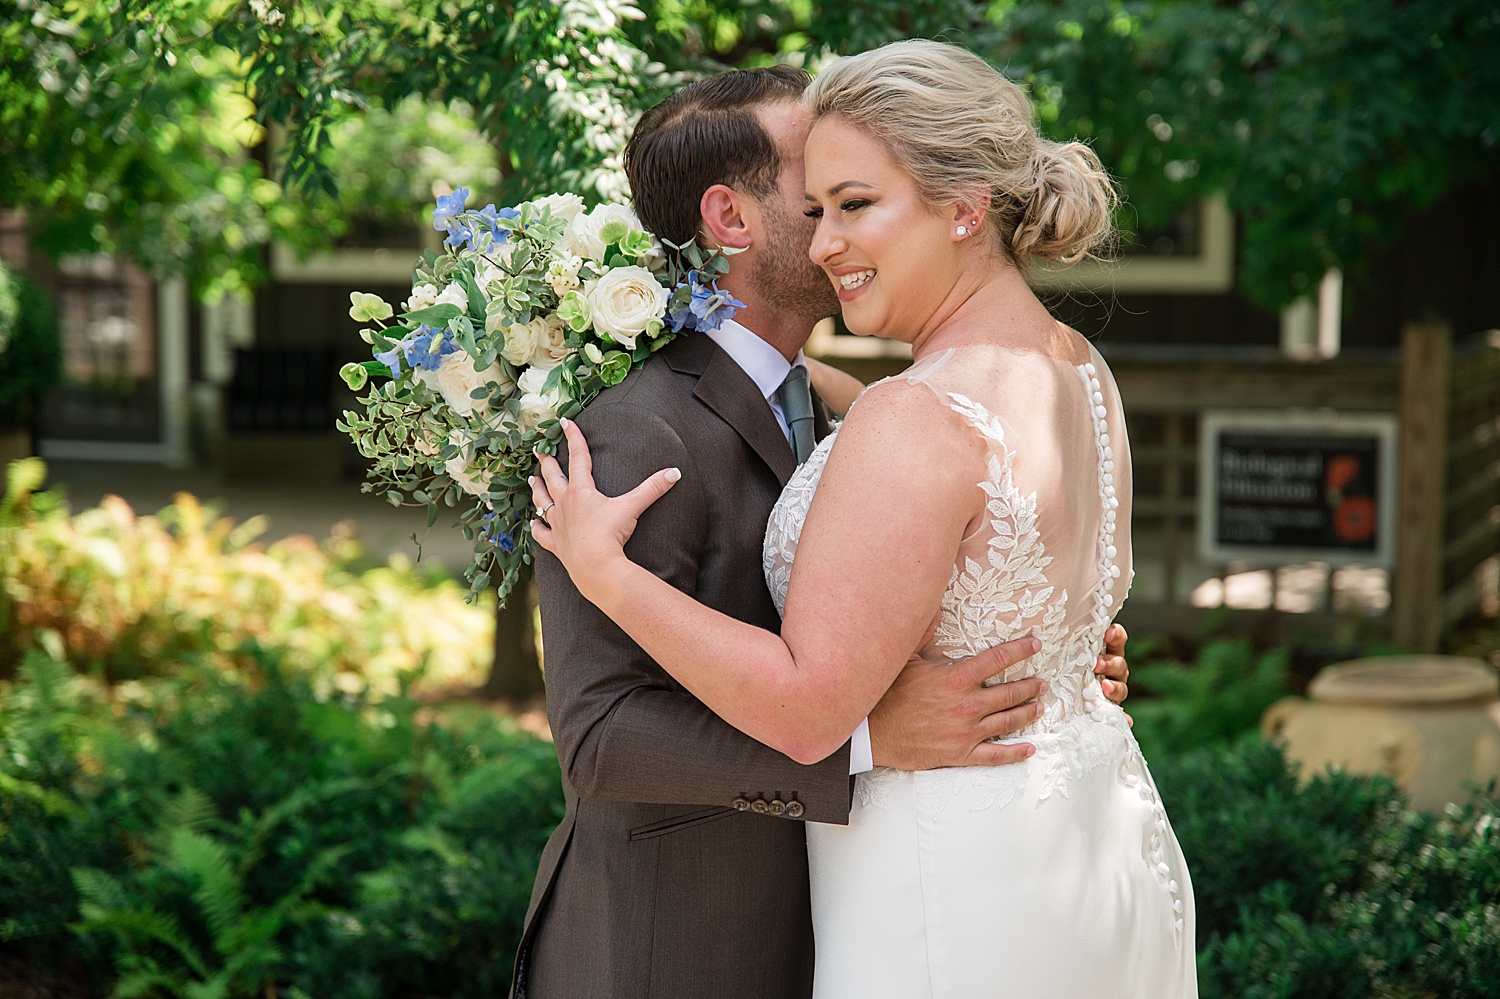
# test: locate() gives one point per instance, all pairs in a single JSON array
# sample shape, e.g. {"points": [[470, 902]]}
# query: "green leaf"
{"points": [[434, 315]]}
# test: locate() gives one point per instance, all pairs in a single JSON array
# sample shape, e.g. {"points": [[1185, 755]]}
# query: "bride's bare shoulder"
{"points": [[903, 419]]}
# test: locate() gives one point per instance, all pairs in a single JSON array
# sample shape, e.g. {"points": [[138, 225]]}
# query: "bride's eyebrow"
{"points": [[838, 188]]}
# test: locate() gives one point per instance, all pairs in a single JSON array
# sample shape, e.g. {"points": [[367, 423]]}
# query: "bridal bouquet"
{"points": [[524, 318]]}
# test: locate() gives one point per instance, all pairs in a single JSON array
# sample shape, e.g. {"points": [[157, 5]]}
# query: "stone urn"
{"points": [[1431, 723]]}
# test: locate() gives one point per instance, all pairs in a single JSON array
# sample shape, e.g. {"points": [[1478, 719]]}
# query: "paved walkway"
{"points": [[291, 506]]}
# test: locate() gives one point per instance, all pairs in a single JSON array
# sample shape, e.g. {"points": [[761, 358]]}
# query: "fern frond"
{"points": [[217, 890]]}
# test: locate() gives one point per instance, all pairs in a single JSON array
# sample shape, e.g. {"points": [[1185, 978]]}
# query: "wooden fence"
{"points": [[1448, 402], [1448, 407]]}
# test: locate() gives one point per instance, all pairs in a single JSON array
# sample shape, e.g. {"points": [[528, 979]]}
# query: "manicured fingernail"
{"points": [[566, 422], [673, 474]]}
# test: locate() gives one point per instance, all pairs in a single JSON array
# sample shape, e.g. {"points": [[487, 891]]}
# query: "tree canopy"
{"points": [[1325, 122]]}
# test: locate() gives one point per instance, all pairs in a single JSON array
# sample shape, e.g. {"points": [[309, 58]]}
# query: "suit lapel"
{"points": [[724, 388]]}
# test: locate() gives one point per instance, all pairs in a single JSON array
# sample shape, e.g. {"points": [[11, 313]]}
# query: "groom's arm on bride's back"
{"points": [[623, 729]]}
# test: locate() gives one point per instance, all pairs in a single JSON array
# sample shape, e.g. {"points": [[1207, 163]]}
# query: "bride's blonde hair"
{"points": [[961, 129]]}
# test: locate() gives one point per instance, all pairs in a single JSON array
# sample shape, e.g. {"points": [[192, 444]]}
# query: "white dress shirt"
{"points": [[768, 368]]}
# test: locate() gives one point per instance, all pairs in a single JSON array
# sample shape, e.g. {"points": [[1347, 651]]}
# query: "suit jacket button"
{"points": [[741, 805], [777, 806], [759, 806], [794, 809]]}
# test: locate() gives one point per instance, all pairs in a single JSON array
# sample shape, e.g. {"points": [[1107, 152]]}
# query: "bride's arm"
{"points": [[875, 556]]}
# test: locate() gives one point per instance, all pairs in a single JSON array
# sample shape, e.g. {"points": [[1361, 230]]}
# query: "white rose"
{"points": [[530, 381], [551, 342], [534, 410], [470, 481], [582, 236], [454, 294], [423, 296], [564, 206], [455, 378], [535, 406], [520, 342], [625, 301]]}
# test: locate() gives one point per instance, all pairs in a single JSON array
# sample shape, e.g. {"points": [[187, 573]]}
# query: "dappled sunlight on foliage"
{"points": [[128, 596]]}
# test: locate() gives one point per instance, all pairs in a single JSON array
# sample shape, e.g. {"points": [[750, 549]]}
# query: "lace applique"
{"points": [[874, 787], [984, 787], [784, 529]]}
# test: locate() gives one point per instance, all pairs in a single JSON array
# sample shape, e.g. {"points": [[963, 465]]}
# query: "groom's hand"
{"points": [[940, 715]]}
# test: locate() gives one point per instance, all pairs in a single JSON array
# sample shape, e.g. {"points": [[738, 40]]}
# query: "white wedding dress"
{"points": [[1055, 877]]}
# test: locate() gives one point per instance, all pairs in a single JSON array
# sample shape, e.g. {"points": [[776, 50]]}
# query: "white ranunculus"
{"points": [[625, 301], [423, 296], [455, 378], [454, 294], [564, 206], [582, 236], [520, 342], [551, 342]]}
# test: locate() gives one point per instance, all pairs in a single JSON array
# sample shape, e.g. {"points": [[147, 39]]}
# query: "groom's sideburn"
{"points": [[680, 866]]}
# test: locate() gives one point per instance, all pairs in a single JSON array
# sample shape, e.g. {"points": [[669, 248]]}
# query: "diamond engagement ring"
{"points": [[548, 507]]}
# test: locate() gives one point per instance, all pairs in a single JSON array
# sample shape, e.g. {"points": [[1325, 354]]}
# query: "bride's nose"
{"points": [[825, 245]]}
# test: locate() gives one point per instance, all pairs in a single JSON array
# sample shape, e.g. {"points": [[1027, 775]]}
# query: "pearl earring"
{"points": [[963, 231]]}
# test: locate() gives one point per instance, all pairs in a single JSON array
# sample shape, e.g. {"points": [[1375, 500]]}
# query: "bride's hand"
{"points": [[585, 529]]}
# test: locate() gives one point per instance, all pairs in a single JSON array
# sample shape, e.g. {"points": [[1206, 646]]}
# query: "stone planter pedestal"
{"points": [[1431, 723]]}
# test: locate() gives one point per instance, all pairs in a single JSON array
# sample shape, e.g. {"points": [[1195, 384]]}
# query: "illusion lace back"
{"points": [[1059, 875]]}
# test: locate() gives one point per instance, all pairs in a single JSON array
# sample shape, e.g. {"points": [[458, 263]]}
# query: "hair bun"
{"points": [[964, 131], [1071, 208]]}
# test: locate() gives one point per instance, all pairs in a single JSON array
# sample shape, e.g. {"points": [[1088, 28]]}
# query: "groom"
{"points": [[679, 870]]}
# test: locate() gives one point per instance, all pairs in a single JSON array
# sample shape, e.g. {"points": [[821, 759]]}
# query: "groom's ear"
{"points": [[729, 216]]}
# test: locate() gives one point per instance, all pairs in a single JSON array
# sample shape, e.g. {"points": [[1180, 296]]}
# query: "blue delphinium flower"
{"points": [[448, 208], [426, 348], [493, 217], [391, 359], [489, 529], [710, 306]]}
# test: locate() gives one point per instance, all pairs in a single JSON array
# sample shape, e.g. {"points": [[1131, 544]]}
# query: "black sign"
{"points": [[1295, 490]]}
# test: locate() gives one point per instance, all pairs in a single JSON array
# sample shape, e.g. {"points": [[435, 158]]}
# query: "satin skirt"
{"points": [[969, 884]]}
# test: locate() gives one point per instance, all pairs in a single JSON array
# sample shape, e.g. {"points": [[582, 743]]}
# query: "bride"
{"points": [[990, 482]]}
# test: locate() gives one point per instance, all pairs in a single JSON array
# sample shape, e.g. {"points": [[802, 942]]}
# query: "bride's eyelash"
{"points": [[852, 205]]}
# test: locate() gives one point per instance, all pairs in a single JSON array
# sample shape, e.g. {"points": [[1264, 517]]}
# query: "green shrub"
{"points": [[206, 834], [1210, 703], [1329, 889]]}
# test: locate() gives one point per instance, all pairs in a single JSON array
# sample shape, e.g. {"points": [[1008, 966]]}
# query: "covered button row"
{"points": [[775, 806]]}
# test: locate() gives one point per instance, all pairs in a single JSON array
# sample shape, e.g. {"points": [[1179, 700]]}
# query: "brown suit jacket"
{"points": [[679, 870]]}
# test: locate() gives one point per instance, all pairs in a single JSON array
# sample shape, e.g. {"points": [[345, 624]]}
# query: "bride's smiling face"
{"points": [[892, 258]]}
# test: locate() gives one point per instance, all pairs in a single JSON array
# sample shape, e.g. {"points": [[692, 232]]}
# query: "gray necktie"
{"points": [[796, 406]]}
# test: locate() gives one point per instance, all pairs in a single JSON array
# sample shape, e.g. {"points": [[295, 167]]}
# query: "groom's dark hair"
{"points": [[706, 134]]}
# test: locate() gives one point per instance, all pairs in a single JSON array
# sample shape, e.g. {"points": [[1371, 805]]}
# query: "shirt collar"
{"points": [[764, 364]]}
